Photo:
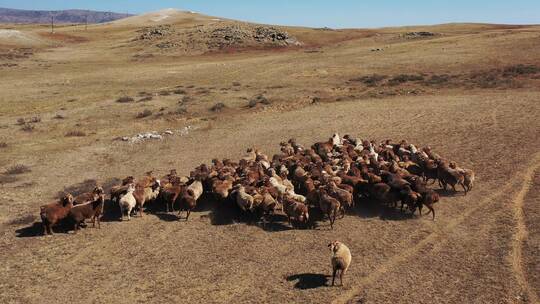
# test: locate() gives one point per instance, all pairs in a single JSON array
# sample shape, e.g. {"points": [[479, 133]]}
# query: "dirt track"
{"points": [[482, 248]]}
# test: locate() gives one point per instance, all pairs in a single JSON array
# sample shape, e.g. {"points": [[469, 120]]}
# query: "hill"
{"points": [[8, 15]]}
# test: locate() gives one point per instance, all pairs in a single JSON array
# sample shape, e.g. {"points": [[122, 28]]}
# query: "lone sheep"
{"points": [[341, 260]]}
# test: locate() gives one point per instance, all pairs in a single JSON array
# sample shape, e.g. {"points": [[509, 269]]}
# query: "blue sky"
{"points": [[318, 13]]}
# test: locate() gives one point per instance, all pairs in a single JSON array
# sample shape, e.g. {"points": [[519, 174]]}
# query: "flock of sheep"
{"points": [[328, 178]]}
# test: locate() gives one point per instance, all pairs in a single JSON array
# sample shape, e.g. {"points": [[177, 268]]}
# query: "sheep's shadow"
{"points": [[168, 216], [36, 229], [111, 212], [448, 192], [370, 208], [309, 280]]}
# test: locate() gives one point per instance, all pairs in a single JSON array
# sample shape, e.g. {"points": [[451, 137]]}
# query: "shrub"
{"points": [[27, 127], [402, 78], [17, 169], [144, 114], [21, 121], [75, 133], [437, 79], [35, 119], [125, 99], [147, 98], [372, 80], [164, 93], [236, 84], [59, 116], [520, 69], [180, 92], [3, 145], [253, 103], [218, 107]]}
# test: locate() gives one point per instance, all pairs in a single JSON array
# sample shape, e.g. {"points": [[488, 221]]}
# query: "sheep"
{"points": [[449, 176], [428, 199], [340, 260], [127, 202], [89, 196], [243, 200], [189, 197], [343, 196], [51, 214], [329, 206], [169, 194], [296, 212], [468, 175], [92, 210], [143, 195]]}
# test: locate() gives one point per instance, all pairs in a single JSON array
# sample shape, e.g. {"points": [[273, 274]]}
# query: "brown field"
{"points": [[472, 92]]}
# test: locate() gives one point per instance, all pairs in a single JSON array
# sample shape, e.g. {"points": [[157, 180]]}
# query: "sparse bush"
{"points": [[437, 79], [21, 121], [3, 145], [164, 93], [59, 116], [520, 69], [147, 98], [72, 100], [179, 111], [35, 119], [125, 99], [186, 99], [17, 169], [259, 99], [143, 114], [218, 107], [371, 80], [316, 99], [402, 78], [27, 127], [75, 133], [253, 103], [180, 92], [236, 84]]}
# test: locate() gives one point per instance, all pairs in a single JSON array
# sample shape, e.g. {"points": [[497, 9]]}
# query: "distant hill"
{"points": [[8, 15]]}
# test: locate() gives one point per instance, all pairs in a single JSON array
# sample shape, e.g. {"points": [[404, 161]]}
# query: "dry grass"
{"points": [[145, 113], [125, 99], [17, 169], [75, 133], [218, 107]]}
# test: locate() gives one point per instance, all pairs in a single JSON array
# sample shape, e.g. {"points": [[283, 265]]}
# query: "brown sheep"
{"points": [[329, 206], [92, 209], [449, 176], [89, 196], [468, 175], [296, 212], [53, 213]]}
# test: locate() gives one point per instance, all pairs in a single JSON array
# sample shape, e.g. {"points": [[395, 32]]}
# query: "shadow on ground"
{"points": [[309, 280]]}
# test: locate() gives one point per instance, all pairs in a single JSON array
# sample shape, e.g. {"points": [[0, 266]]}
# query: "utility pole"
{"points": [[86, 22], [52, 24]]}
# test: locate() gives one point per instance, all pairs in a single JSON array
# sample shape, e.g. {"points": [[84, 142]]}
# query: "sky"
{"points": [[320, 13]]}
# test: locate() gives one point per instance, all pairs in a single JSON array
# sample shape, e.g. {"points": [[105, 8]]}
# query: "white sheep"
{"points": [[336, 140], [244, 200], [341, 260], [196, 188], [127, 202]]}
